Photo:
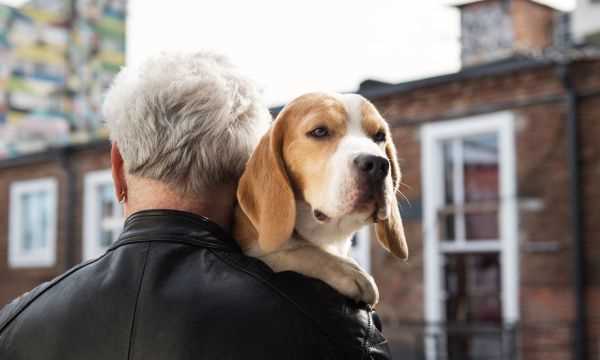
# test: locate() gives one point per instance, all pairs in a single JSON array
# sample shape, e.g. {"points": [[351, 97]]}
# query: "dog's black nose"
{"points": [[374, 167]]}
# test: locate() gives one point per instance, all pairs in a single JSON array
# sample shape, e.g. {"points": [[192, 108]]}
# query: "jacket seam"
{"points": [[53, 283], [140, 215], [136, 304], [366, 344], [133, 240], [374, 345], [259, 278]]}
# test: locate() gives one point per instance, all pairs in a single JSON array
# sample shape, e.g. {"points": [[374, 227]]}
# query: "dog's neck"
{"points": [[334, 236], [341, 248]]}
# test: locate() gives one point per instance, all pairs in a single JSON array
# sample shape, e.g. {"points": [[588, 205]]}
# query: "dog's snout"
{"points": [[374, 167]]}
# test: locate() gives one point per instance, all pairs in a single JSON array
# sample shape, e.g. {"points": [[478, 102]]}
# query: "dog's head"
{"points": [[327, 167]]}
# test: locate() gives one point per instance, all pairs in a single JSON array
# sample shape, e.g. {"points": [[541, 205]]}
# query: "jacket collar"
{"points": [[167, 225]]}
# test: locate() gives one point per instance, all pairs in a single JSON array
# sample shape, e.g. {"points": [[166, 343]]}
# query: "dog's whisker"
{"points": [[404, 197], [406, 185]]}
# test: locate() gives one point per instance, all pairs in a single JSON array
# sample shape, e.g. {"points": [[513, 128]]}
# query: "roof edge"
{"points": [[490, 69]]}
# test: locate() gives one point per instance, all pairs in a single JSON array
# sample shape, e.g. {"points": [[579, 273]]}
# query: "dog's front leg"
{"points": [[343, 274]]}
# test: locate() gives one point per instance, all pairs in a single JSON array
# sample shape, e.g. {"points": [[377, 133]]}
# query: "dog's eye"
{"points": [[319, 132], [379, 137]]}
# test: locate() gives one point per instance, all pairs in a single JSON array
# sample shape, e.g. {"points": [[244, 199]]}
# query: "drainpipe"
{"points": [[70, 205], [575, 191]]}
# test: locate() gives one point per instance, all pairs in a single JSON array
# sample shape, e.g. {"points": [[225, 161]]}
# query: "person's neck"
{"points": [[215, 204]]}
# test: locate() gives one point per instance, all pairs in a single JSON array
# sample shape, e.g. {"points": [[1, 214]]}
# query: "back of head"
{"points": [[188, 120]]}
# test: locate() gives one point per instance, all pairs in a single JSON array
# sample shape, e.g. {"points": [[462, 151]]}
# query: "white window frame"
{"points": [[362, 252], [92, 180], [501, 123], [45, 257]]}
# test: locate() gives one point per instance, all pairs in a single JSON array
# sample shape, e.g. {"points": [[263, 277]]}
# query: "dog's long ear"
{"points": [[390, 232], [264, 192]]}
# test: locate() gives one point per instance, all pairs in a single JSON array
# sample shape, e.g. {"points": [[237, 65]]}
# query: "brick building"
{"points": [[57, 59], [499, 162]]}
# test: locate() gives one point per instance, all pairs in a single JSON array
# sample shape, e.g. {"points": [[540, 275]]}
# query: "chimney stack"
{"points": [[493, 30]]}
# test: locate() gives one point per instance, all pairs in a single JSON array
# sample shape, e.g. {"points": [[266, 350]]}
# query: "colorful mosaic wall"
{"points": [[57, 57]]}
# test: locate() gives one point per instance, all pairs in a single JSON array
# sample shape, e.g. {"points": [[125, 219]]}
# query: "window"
{"points": [[470, 231], [32, 228], [103, 216], [361, 248]]}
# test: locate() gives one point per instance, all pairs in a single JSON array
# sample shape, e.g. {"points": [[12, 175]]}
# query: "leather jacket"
{"points": [[176, 286]]}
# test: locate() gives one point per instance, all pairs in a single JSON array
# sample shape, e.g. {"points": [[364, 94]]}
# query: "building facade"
{"points": [[57, 58], [500, 161]]}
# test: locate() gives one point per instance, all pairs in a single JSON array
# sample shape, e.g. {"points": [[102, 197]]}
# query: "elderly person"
{"points": [[176, 285]]}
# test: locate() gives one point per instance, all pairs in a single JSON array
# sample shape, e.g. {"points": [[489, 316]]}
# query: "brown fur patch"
{"points": [[286, 165], [372, 122], [264, 194], [390, 232], [307, 157]]}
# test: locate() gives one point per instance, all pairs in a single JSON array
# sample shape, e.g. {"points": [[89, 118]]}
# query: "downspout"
{"points": [[70, 205], [575, 191], [66, 162]]}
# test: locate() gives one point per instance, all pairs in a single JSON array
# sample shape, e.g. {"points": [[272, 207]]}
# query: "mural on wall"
{"points": [[57, 57]]}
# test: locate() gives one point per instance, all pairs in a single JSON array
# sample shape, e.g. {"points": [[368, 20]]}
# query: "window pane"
{"points": [[482, 226], [43, 205], [107, 211], [446, 219], [106, 195], [35, 208], [473, 287], [360, 248], [481, 170], [448, 173], [473, 305], [27, 222], [446, 223]]}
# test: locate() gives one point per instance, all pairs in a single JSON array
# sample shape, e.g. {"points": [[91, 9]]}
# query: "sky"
{"points": [[291, 47]]}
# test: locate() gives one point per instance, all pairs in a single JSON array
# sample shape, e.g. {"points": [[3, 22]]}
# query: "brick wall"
{"points": [[14, 282], [589, 110], [17, 281], [533, 25], [546, 286]]}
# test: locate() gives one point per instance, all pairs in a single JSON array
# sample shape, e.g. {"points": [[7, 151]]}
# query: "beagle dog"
{"points": [[326, 168]]}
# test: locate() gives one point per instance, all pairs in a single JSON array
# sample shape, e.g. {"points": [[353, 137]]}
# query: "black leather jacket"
{"points": [[176, 286]]}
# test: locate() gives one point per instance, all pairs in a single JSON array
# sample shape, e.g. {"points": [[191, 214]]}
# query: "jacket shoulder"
{"points": [[196, 301], [349, 327], [66, 316], [11, 310]]}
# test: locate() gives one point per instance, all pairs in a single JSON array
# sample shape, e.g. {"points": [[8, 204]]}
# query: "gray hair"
{"points": [[188, 120]]}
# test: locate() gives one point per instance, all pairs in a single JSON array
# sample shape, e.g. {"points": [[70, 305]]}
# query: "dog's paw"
{"points": [[352, 281]]}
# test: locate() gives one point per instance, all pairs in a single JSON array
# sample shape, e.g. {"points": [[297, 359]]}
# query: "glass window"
{"points": [[103, 214], [361, 248], [470, 230], [472, 286], [32, 238], [470, 188]]}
